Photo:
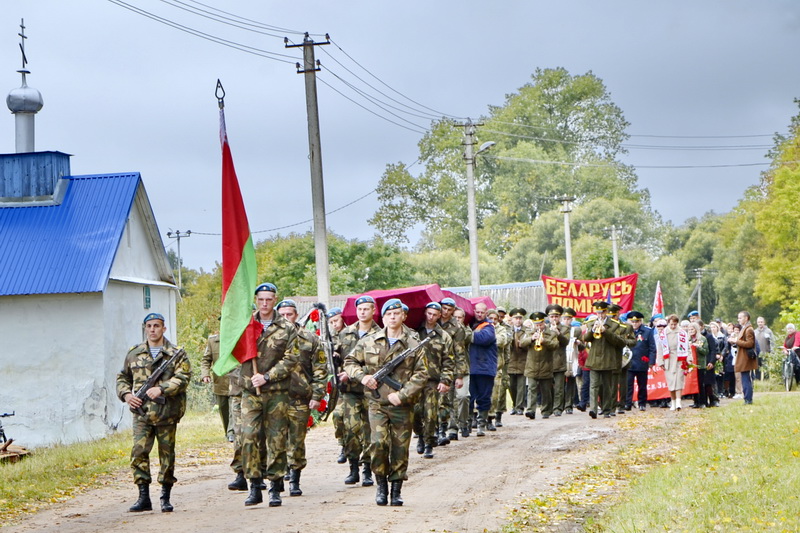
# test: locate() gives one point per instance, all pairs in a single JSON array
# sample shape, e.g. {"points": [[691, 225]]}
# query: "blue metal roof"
{"points": [[66, 248]]}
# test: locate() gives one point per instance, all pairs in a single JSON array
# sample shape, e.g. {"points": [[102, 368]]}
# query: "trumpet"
{"points": [[538, 344], [598, 328]]}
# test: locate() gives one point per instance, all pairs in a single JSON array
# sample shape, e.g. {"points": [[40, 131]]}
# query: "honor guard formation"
{"points": [[442, 380]]}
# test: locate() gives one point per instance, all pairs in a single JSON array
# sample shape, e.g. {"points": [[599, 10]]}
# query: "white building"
{"points": [[81, 264]]}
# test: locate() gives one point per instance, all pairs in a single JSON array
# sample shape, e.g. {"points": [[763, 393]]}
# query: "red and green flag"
{"points": [[239, 331]]}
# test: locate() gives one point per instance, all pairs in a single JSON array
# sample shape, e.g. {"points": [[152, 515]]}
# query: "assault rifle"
{"points": [[383, 375], [332, 359], [2, 431], [151, 381]]}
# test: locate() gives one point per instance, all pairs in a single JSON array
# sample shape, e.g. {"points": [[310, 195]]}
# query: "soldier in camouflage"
{"points": [[335, 325], [220, 384], [306, 389], [391, 415], [160, 421], [265, 399], [355, 406], [504, 338], [440, 360], [448, 416]]}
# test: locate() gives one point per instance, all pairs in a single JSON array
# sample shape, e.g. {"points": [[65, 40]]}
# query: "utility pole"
{"points": [[179, 235], [698, 272], [472, 218], [309, 69], [566, 208], [614, 250]]}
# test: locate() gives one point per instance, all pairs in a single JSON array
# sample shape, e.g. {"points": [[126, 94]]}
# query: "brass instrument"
{"points": [[598, 328], [538, 344]]}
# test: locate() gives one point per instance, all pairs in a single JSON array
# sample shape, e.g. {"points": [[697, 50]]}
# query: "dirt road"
{"points": [[467, 487]]}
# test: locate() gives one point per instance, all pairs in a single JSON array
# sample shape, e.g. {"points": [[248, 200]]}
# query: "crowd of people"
{"points": [[443, 380]]}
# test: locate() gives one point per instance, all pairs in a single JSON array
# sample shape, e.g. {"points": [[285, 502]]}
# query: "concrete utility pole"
{"points": [[699, 274], [566, 208], [614, 250], [310, 68], [179, 235], [472, 218]]}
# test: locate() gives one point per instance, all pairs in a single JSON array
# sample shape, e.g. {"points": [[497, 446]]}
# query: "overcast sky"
{"points": [[124, 93]]}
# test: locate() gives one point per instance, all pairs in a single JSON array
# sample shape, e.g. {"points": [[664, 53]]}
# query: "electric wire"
{"points": [[608, 165], [218, 18], [254, 22]]}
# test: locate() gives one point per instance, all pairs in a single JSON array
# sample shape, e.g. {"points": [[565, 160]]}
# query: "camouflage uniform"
{"points": [[220, 384], [355, 406], [277, 357], [306, 383], [458, 333], [235, 387], [159, 421], [504, 338], [440, 364], [390, 425]]}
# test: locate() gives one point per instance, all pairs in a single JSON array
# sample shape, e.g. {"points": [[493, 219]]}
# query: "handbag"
{"points": [[751, 353]]}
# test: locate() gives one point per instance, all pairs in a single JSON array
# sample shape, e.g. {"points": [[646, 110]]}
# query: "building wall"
{"points": [[52, 368], [135, 256]]}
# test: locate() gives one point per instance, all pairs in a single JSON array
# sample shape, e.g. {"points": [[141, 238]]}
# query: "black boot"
{"points": [[254, 498], [166, 507], [443, 440], [143, 503], [342, 459], [275, 489], [420, 445], [428, 452], [397, 486], [294, 483], [240, 483], [498, 421], [382, 493], [288, 475], [366, 476], [352, 478], [490, 424], [474, 424]]}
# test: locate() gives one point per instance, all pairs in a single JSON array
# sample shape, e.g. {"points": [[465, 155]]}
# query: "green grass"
{"points": [[57, 473], [739, 470]]}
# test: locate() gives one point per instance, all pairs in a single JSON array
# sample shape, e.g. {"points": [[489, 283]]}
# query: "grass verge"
{"points": [[57, 473], [730, 469]]}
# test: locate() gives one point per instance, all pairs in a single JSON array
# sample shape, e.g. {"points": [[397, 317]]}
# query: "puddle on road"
{"points": [[568, 441]]}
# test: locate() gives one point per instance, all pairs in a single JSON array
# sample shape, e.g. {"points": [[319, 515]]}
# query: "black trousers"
{"points": [[641, 380]]}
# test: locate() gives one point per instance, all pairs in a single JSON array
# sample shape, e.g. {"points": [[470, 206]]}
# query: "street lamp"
{"points": [[472, 219]]}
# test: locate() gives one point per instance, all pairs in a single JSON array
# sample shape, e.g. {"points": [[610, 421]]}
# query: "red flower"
{"points": [[314, 316], [645, 359], [323, 405], [328, 388], [684, 366], [666, 356], [310, 421]]}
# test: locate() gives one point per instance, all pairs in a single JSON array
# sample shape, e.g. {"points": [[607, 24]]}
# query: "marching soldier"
{"points": [[541, 343], [306, 389], [504, 337], [235, 388], [516, 364], [335, 325], [157, 421], [220, 384], [604, 357], [355, 406], [390, 416], [554, 312], [265, 399], [440, 361], [619, 385], [448, 416]]}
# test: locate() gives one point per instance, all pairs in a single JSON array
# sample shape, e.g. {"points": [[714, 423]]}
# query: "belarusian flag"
{"points": [[239, 331], [658, 302]]}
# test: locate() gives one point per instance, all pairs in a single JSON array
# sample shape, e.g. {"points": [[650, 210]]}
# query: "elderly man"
{"points": [[391, 413], [482, 365], [644, 357]]}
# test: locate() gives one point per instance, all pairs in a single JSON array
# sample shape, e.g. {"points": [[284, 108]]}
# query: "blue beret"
{"points": [[286, 303], [393, 303], [365, 300], [434, 305], [405, 307], [333, 311], [623, 317], [694, 313], [267, 287], [153, 316], [448, 301], [657, 315]]}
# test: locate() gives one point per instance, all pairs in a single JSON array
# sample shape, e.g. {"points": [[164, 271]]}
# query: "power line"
{"points": [[606, 165], [197, 33], [218, 18], [255, 22]]}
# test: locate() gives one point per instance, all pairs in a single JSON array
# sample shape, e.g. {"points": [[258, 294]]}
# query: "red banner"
{"points": [[579, 294], [657, 385]]}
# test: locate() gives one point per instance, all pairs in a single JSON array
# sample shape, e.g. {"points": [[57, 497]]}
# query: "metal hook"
{"points": [[220, 94]]}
